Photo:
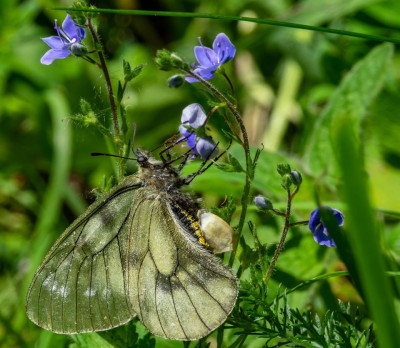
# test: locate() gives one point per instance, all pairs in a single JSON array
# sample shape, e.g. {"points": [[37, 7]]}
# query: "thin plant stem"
{"points": [[107, 78], [277, 212], [305, 222], [91, 60], [246, 147], [295, 192], [215, 108], [229, 82], [283, 237]]}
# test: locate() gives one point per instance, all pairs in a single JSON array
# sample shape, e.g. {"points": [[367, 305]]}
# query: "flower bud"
{"points": [[167, 60], [287, 181], [283, 168], [78, 50], [296, 177], [263, 203], [176, 61], [176, 80]]}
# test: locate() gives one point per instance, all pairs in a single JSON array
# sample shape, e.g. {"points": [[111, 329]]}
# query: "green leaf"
{"points": [[350, 100], [89, 340], [137, 70], [226, 211], [363, 236], [120, 92]]}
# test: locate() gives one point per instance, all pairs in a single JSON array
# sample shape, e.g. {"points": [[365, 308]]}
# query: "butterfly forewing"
{"points": [[179, 289], [82, 284]]}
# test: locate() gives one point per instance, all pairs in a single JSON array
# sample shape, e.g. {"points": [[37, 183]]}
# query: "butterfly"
{"points": [[138, 250]]}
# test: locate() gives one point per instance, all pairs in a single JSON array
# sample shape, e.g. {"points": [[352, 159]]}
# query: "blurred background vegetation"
{"points": [[283, 81]]}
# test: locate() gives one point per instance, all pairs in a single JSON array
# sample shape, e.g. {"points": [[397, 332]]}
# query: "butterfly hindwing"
{"points": [[82, 284], [179, 289]]}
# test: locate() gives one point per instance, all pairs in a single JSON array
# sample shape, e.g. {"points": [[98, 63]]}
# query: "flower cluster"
{"points": [[67, 42], [193, 119], [211, 59]]}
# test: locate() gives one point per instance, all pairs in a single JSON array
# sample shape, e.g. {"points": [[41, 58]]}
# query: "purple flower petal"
{"points": [[190, 138], [51, 55], [74, 32], [193, 115], [315, 220], [71, 34], [206, 148], [211, 59], [205, 56], [55, 42], [206, 73], [339, 216], [323, 239], [224, 49], [319, 230], [190, 79]]}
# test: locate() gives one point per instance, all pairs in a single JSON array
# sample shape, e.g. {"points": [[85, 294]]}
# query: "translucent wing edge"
{"points": [[128, 184]]}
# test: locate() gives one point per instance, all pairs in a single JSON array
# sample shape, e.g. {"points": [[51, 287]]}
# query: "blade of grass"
{"points": [[233, 18], [363, 236], [53, 197]]}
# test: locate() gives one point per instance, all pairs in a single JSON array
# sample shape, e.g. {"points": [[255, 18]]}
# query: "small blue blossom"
{"points": [[211, 59], [194, 116], [67, 41], [319, 230]]}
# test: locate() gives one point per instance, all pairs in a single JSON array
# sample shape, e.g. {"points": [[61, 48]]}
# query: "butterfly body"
{"points": [[136, 251]]}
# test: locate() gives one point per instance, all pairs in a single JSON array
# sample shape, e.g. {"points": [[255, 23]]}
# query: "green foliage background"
{"points": [[299, 92]]}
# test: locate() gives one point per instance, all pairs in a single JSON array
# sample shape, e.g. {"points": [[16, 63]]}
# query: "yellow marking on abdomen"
{"points": [[196, 226]]}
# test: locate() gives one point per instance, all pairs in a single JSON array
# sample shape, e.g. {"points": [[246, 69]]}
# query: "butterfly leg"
{"points": [[203, 166]]}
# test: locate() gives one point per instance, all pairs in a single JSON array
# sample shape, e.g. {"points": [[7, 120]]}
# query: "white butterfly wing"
{"points": [[81, 285], [178, 289]]}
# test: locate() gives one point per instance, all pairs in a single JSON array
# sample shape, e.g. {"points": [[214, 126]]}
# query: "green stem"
{"points": [[91, 60], [229, 82], [277, 212], [305, 222], [235, 18], [246, 147], [283, 237], [108, 80]]}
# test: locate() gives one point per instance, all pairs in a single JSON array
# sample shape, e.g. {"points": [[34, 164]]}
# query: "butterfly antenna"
{"points": [[110, 155]]}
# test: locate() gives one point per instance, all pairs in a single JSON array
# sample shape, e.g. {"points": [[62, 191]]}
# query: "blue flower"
{"points": [[67, 41], [319, 230], [194, 116], [211, 59]]}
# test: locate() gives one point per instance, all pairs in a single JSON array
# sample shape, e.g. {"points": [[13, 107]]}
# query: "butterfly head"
{"points": [[145, 159]]}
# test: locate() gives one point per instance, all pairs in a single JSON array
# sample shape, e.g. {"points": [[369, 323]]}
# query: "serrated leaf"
{"points": [[136, 71]]}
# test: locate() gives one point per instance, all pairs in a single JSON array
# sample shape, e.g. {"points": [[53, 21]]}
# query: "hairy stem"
{"points": [[305, 222], [246, 147], [277, 212], [283, 237], [104, 68]]}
